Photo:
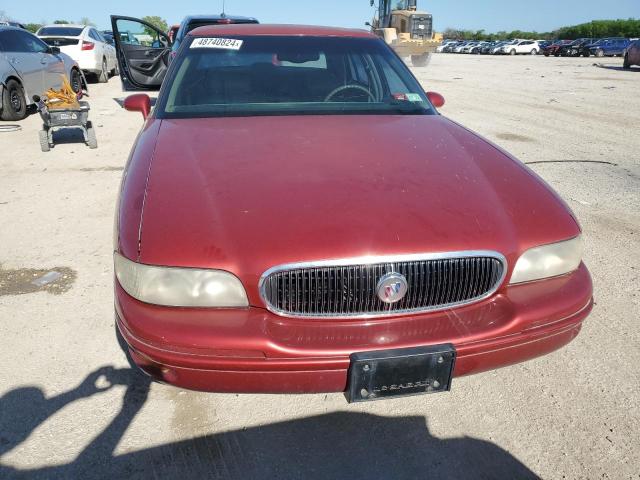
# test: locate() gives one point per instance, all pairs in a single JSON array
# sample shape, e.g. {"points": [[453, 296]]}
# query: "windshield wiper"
{"points": [[407, 108]]}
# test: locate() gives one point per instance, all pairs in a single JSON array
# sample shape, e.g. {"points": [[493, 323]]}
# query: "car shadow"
{"points": [[68, 135], [334, 445], [617, 69]]}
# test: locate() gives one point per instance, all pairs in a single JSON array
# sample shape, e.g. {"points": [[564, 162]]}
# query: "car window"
{"points": [[21, 42], [136, 33], [11, 42], [33, 43], [60, 31], [94, 34], [289, 76]]}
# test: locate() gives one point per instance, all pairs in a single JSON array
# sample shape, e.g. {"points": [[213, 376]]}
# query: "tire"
{"points": [[43, 136], [599, 54], [92, 141], [512, 52], [116, 71], [420, 60], [76, 81], [626, 65], [534, 52], [546, 54], [586, 54], [103, 77], [14, 105]]}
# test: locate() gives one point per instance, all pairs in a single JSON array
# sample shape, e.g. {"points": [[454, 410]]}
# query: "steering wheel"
{"points": [[352, 86]]}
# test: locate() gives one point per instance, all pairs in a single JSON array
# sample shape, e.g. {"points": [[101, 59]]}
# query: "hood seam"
{"points": [[146, 191]]}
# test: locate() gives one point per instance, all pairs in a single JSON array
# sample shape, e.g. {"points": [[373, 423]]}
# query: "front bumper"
{"points": [[255, 351]]}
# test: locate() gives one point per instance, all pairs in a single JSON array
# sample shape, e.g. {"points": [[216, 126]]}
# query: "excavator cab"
{"points": [[406, 19], [406, 29]]}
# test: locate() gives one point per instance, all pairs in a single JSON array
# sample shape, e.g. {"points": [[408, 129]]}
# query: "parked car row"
{"points": [[510, 47], [587, 47], [582, 47]]}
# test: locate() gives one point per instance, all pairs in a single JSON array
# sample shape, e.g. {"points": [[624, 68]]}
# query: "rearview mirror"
{"points": [[53, 50], [436, 99], [297, 57], [139, 102]]}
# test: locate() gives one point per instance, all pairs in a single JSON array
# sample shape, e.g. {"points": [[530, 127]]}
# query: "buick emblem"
{"points": [[392, 287]]}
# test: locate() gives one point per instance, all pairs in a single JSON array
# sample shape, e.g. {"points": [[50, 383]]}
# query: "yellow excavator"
{"points": [[408, 31]]}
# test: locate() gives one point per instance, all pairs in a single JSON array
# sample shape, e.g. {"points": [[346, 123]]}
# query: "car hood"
{"points": [[245, 194]]}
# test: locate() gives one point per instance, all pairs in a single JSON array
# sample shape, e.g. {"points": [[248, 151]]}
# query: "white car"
{"points": [[459, 48], [468, 48], [29, 67], [528, 47], [441, 48], [84, 44]]}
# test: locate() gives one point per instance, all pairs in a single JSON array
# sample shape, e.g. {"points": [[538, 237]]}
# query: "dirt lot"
{"points": [[573, 414]]}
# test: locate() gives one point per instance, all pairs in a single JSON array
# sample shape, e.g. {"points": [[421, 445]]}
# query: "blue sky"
{"points": [[491, 15]]}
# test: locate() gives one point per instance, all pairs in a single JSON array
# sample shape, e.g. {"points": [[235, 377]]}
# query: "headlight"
{"points": [[548, 261], [179, 287]]}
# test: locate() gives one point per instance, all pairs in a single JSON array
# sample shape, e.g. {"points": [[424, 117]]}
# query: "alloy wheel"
{"points": [[16, 101]]}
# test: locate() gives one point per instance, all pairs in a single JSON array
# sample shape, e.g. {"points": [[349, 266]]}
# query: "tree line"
{"points": [[156, 21], [629, 28]]}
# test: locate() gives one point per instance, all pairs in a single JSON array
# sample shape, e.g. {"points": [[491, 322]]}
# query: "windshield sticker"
{"points": [[223, 43], [407, 97]]}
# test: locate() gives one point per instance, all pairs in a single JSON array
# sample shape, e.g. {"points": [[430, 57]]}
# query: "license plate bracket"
{"points": [[400, 373]]}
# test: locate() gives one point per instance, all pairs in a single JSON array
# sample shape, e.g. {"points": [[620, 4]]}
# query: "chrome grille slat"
{"points": [[345, 289]]}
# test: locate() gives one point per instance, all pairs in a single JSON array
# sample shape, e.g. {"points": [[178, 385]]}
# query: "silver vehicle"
{"points": [[29, 67]]}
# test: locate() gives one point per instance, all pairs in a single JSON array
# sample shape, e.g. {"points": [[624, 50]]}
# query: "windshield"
{"points": [[62, 31], [270, 75]]}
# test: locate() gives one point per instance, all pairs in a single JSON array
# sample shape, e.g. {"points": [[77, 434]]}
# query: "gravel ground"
{"points": [[572, 414]]}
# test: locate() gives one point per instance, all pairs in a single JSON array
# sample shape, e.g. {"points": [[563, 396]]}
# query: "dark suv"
{"points": [[194, 21], [577, 48]]}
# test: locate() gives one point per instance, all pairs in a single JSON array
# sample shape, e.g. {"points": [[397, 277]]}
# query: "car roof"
{"points": [[66, 25], [191, 18], [284, 30], [11, 27]]}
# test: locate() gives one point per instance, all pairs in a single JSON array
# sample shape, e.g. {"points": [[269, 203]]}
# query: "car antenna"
{"points": [[223, 9]]}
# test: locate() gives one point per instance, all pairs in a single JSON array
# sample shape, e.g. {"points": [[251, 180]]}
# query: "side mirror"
{"points": [[368, 24], [54, 50], [436, 99], [140, 102]]}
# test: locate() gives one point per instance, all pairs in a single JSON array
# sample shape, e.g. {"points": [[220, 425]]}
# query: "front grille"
{"points": [[350, 289], [421, 27]]}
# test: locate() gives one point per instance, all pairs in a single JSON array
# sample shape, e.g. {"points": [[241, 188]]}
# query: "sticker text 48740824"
{"points": [[222, 43]]}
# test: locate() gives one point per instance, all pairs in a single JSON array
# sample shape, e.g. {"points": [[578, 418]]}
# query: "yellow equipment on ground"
{"points": [[62, 109], [65, 98], [408, 31]]}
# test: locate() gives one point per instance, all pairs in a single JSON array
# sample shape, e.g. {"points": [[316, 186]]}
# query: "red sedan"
{"points": [[296, 217]]}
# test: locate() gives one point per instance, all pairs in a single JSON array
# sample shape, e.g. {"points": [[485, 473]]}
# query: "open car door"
{"points": [[143, 53]]}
